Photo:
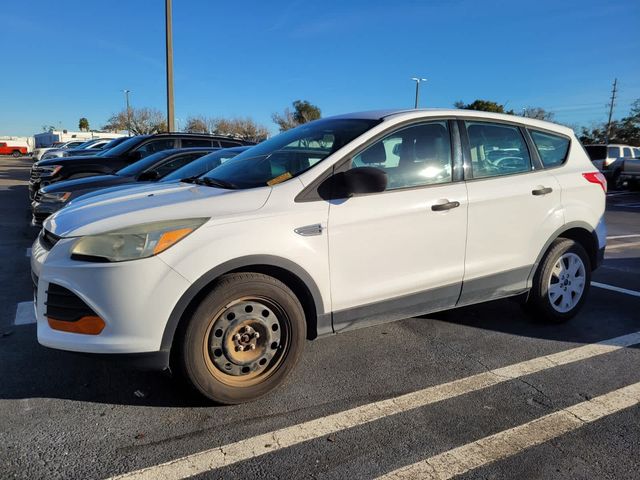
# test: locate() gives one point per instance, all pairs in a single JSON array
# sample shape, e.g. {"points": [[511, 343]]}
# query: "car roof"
{"points": [[409, 114]]}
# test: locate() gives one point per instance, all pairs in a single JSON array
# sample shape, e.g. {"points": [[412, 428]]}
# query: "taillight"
{"points": [[596, 177]]}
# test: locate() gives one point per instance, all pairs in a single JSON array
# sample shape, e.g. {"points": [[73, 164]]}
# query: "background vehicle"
{"points": [[630, 170], [152, 168], [38, 153], [606, 158], [337, 224], [129, 151], [191, 170], [89, 147], [13, 148]]}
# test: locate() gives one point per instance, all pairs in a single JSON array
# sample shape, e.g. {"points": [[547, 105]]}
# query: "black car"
{"points": [[131, 150], [53, 197]]}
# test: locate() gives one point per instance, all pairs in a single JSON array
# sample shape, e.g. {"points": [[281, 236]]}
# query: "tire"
{"points": [[213, 350], [16, 154], [555, 296]]}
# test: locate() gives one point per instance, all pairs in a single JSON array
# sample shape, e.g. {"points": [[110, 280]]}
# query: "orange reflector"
{"points": [[86, 325], [169, 238]]}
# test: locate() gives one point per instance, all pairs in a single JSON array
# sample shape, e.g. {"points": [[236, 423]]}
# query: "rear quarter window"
{"points": [[552, 149]]}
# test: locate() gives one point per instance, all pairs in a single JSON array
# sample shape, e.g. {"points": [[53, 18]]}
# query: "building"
{"points": [[46, 139]]}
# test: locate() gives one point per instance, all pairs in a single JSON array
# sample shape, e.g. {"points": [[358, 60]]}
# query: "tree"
{"points": [[625, 130], [483, 106], [197, 124], [245, 128], [538, 113], [144, 121], [83, 124], [303, 112], [48, 128]]}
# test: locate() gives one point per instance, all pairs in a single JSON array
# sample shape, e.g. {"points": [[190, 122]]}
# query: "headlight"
{"points": [[55, 197], [50, 170], [132, 243]]}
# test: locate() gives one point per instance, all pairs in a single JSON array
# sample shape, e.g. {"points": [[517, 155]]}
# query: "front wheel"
{"points": [[561, 283], [243, 339], [16, 154]]}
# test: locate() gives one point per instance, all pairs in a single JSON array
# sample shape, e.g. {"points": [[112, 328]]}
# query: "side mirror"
{"points": [[148, 175], [357, 180]]}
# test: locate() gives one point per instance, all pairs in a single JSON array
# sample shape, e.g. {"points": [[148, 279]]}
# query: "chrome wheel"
{"points": [[246, 341], [566, 282]]}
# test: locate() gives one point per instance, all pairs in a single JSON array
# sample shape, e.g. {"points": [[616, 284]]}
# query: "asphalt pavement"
{"points": [[479, 392]]}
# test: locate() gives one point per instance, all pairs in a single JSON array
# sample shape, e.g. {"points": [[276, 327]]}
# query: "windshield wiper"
{"points": [[190, 179], [215, 182]]}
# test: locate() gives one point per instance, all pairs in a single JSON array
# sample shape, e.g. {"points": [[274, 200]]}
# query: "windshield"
{"points": [[86, 144], [596, 152], [124, 147], [141, 165], [204, 164], [289, 154]]}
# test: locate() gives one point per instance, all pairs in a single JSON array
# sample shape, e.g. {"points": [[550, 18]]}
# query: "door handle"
{"points": [[542, 191], [441, 207]]}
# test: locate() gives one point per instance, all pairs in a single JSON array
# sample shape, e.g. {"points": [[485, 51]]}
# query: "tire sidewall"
{"points": [[227, 291], [540, 297]]}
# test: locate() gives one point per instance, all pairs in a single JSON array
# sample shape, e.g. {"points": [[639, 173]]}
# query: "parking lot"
{"points": [[482, 392]]}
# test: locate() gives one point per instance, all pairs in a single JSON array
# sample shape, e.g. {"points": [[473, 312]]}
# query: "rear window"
{"points": [[552, 149], [596, 152], [613, 152]]}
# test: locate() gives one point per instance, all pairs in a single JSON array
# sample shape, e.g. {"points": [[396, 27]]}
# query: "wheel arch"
{"points": [[288, 272], [580, 232]]}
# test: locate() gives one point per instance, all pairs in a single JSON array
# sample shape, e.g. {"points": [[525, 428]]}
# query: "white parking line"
{"points": [[616, 289], [510, 442], [24, 314], [616, 237], [242, 450]]}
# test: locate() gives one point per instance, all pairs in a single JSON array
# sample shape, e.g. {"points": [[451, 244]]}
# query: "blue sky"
{"points": [[68, 59]]}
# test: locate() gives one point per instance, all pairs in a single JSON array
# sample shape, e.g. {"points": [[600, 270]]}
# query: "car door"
{"points": [[400, 252], [514, 208]]}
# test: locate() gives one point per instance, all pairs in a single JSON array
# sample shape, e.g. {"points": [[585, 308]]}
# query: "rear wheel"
{"points": [[561, 283], [243, 339], [16, 153]]}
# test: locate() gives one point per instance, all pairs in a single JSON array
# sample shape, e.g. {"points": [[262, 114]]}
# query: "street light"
{"points": [[418, 81], [126, 96], [169, 43]]}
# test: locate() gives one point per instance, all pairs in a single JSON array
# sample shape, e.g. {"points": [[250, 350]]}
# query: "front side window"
{"points": [[414, 156], [155, 146], [174, 163], [287, 155], [636, 152], [551, 148], [497, 150], [613, 152]]}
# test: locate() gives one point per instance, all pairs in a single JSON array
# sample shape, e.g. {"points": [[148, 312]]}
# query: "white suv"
{"points": [[340, 223]]}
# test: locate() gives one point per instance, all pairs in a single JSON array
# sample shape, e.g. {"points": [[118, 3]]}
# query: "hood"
{"points": [[84, 183], [117, 188], [68, 160], [152, 203]]}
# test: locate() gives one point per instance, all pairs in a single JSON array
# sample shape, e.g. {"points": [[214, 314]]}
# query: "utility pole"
{"points": [[614, 91], [418, 80], [126, 96], [169, 34]]}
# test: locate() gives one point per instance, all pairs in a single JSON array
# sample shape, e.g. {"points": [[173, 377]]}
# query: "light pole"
{"points": [[418, 80], [126, 97], [169, 34]]}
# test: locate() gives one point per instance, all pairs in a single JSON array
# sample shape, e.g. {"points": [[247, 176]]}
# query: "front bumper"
{"points": [[135, 300], [42, 210]]}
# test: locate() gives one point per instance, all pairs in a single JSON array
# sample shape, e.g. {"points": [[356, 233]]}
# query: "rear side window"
{"points": [[636, 152], [552, 149], [195, 142], [228, 144], [613, 152], [497, 150], [626, 152]]}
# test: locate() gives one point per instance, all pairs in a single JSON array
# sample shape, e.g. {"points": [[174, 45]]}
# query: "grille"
{"points": [[63, 304], [38, 196], [48, 239], [35, 174]]}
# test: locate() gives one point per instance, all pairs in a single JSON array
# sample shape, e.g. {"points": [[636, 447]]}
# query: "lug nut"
{"points": [[239, 348], [252, 347], [236, 336], [257, 335]]}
